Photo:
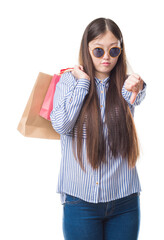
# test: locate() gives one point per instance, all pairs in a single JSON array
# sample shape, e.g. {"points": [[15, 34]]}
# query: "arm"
{"points": [[68, 101]]}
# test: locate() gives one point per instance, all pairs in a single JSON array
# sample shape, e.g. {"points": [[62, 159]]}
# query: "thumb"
{"points": [[133, 97]]}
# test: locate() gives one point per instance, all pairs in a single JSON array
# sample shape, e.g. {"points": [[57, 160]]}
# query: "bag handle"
{"points": [[65, 70]]}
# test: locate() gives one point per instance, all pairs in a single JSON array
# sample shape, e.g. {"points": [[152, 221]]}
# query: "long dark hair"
{"points": [[122, 136]]}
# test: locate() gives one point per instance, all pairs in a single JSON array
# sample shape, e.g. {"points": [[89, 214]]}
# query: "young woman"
{"points": [[93, 112]]}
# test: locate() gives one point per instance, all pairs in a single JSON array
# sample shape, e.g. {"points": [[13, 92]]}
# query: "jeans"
{"points": [[114, 220]]}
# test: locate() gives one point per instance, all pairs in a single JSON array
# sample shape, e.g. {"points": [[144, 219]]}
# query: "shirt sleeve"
{"points": [[140, 97], [68, 100]]}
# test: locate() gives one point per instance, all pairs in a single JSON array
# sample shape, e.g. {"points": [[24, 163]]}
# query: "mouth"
{"points": [[106, 63]]}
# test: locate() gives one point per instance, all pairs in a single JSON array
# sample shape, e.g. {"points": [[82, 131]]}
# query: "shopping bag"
{"points": [[31, 123], [48, 101]]}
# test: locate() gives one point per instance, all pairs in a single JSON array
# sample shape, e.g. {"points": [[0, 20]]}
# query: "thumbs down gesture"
{"points": [[134, 84]]}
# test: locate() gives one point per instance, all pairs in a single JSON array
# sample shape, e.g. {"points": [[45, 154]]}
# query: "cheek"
{"points": [[114, 62], [96, 62]]}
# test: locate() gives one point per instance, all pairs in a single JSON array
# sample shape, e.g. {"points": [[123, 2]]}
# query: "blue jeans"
{"points": [[115, 220]]}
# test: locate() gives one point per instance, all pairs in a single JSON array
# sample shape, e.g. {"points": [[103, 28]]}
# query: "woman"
{"points": [[93, 112]]}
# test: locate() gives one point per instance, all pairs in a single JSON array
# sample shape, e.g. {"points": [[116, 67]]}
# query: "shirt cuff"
{"points": [[144, 86]]}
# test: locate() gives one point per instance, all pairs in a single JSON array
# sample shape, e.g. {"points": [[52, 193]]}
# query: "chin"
{"points": [[105, 71]]}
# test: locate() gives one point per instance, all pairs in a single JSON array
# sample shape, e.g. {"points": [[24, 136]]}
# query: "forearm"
{"points": [[68, 101]]}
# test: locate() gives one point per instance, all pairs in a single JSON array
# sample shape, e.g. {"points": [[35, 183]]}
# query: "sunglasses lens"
{"points": [[114, 52], [98, 52]]}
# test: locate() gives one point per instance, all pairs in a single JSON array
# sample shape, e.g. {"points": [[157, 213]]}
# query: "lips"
{"points": [[106, 63]]}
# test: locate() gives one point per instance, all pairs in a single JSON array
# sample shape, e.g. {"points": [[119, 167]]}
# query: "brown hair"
{"points": [[122, 136]]}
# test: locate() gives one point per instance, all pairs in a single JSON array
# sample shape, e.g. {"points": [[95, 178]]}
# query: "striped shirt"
{"points": [[113, 179]]}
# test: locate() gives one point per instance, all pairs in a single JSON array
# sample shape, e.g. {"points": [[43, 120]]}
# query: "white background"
{"points": [[44, 36]]}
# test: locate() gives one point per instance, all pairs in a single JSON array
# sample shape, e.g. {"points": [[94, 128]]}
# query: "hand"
{"points": [[78, 72], [134, 84]]}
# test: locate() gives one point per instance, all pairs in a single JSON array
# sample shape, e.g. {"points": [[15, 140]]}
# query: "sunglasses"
{"points": [[113, 52]]}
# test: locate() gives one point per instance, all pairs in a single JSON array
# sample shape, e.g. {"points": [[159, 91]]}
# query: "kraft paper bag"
{"points": [[31, 123]]}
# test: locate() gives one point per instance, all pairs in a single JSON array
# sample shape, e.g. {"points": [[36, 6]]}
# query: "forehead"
{"points": [[105, 39]]}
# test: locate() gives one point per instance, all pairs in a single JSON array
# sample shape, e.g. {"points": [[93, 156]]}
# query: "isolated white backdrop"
{"points": [[44, 36]]}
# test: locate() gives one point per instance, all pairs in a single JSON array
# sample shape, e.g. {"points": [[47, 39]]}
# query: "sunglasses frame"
{"points": [[108, 52]]}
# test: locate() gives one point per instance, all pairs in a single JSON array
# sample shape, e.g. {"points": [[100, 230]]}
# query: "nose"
{"points": [[106, 55]]}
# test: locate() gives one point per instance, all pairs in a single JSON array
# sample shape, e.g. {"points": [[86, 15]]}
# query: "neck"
{"points": [[101, 76]]}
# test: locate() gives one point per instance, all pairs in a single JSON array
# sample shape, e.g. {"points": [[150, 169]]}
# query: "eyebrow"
{"points": [[103, 45]]}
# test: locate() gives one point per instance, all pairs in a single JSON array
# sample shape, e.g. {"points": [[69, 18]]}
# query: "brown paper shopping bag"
{"points": [[31, 123]]}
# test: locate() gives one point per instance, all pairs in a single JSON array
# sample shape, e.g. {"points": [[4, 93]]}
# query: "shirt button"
{"points": [[101, 91], [101, 106], [101, 81], [97, 183]]}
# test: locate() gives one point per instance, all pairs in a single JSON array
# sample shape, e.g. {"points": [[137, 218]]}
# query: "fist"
{"points": [[78, 72], [134, 84]]}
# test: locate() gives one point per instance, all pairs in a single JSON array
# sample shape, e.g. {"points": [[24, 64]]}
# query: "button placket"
{"points": [[103, 90], [96, 183], [102, 99], [101, 95]]}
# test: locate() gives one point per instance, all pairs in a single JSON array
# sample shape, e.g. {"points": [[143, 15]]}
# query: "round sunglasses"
{"points": [[113, 52]]}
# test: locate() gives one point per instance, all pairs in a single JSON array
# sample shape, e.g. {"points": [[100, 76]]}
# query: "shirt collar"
{"points": [[104, 81]]}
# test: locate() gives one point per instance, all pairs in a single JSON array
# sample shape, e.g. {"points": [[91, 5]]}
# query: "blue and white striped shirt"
{"points": [[112, 180]]}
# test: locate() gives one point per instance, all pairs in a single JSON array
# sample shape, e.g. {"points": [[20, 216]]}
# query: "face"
{"points": [[105, 64]]}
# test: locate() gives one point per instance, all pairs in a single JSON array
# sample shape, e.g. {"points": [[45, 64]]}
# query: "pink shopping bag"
{"points": [[48, 101]]}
